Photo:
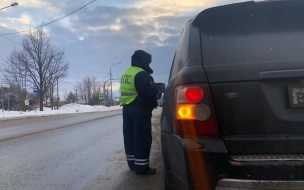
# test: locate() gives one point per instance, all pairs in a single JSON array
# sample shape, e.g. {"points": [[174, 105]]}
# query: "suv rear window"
{"points": [[181, 54], [256, 34]]}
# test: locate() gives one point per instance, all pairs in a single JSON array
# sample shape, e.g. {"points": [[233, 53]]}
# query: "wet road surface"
{"points": [[89, 155]]}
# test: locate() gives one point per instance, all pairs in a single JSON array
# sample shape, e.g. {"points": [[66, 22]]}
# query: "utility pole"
{"points": [[76, 97], [8, 99], [35, 90], [57, 94], [35, 97], [2, 92], [2, 96], [104, 93], [25, 90], [111, 87]]}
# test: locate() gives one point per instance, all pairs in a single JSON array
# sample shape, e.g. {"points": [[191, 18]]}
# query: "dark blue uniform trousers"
{"points": [[137, 137]]}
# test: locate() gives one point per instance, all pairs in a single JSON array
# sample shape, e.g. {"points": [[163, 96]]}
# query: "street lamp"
{"points": [[104, 87], [12, 5], [111, 79]]}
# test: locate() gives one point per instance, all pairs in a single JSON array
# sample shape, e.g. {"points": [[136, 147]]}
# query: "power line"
{"points": [[48, 22], [2, 35], [89, 70], [69, 83], [69, 64], [10, 40]]}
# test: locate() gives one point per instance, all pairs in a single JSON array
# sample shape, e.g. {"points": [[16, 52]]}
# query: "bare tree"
{"points": [[71, 98], [88, 86], [13, 72], [15, 76], [88, 90], [38, 60], [80, 92], [49, 95]]}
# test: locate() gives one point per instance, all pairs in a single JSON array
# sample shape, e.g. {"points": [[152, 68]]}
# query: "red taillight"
{"points": [[194, 94], [194, 112]]}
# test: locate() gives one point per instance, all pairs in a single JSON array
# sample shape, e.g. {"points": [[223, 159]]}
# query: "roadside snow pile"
{"points": [[66, 109], [77, 108]]}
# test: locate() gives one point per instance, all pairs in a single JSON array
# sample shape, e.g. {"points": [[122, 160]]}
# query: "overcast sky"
{"points": [[105, 32]]}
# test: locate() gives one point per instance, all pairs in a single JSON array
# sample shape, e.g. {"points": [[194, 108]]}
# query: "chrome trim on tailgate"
{"points": [[234, 184], [279, 157]]}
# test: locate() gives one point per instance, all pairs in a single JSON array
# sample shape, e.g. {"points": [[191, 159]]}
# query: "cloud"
{"points": [[111, 34], [109, 27], [178, 7], [24, 19], [106, 32], [170, 7], [115, 86], [143, 23], [112, 26], [3, 25]]}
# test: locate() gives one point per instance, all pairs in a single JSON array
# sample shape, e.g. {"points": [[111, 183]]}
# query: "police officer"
{"points": [[139, 97]]}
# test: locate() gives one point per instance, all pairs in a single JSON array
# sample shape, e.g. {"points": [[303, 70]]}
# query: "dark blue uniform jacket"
{"points": [[144, 83]]}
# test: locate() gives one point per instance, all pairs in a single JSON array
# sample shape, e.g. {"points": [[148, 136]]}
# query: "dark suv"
{"points": [[233, 115]]}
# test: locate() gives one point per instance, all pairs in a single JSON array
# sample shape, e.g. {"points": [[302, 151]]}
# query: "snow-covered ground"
{"points": [[66, 109]]}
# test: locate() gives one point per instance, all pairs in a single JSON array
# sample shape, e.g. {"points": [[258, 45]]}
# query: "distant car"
{"points": [[233, 115]]}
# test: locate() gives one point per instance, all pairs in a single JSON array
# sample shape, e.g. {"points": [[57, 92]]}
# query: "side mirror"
{"points": [[161, 87]]}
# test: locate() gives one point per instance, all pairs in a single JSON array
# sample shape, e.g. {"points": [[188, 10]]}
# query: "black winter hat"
{"points": [[142, 59]]}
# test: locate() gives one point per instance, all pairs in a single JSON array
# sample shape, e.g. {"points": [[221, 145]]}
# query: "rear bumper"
{"points": [[232, 184], [184, 158]]}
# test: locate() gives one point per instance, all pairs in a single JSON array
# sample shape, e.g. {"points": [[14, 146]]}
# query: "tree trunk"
{"points": [[41, 102]]}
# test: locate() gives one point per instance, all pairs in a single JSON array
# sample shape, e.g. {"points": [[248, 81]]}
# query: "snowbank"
{"points": [[66, 109]]}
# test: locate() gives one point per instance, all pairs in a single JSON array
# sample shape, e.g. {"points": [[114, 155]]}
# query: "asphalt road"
{"points": [[15, 128], [89, 155]]}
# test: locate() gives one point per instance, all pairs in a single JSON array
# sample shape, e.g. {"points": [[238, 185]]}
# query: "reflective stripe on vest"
{"points": [[127, 85]]}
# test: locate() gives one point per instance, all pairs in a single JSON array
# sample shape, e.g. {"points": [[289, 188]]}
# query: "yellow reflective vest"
{"points": [[127, 85]]}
